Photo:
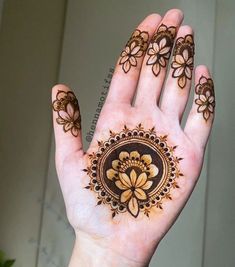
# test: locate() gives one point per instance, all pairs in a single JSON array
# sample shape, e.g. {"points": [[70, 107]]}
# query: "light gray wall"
{"points": [[33, 225], [30, 42]]}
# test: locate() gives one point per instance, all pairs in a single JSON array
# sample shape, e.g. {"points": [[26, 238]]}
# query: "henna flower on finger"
{"points": [[66, 106], [69, 118], [133, 189], [206, 97], [135, 48], [160, 48], [183, 60]]}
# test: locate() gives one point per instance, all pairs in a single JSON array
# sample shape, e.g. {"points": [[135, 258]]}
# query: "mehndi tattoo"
{"points": [[206, 97], [135, 48], [160, 47], [183, 58], [133, 171], [66, 106]]}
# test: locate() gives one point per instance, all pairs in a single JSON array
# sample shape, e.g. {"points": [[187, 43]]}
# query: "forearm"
{"points": [[89, 253]]}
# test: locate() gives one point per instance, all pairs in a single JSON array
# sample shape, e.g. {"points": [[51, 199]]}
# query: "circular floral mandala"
{"points": [[133, 171]]}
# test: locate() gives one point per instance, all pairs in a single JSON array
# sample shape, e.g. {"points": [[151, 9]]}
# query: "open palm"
{"points": [[127, 190]]}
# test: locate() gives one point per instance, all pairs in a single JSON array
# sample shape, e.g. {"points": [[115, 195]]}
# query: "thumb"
{"points": [[67, 123]]}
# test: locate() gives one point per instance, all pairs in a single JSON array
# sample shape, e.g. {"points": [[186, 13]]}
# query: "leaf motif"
{"points": [[99, 202]]}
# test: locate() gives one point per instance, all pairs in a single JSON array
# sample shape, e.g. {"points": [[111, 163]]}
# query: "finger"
{"points": [[66, 121], [200, 119], [178, 83], [155, 62], [127, 69]]}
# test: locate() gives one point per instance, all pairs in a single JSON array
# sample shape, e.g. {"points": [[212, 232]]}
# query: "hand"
{"points": [[124, 193]]}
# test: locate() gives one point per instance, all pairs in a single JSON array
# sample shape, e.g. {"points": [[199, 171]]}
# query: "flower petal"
{"points": [[156, 48], [76, 115], [175, 65], [115, 164], [202, 108], [210, 108], [127, 66], [56, 105], [190, 61], [164, 50], [124, 178], [182, 81], [141, 180], [185, 55], [151, 60], [68, 126], [123, 155], [135, 50], [156, 69], [208, 94], [133, 206], [153, 170], [134, 155], [199, 102], [203, 98], [140, 194], [70, 110], [177, 72], [74, 131], [162, 43], [206, 114], [147, 158], [120, 185], [211, 99], [133, 61], [162, 61], [59, 120], [111, 174], [133, 45], [151, 52], [61, 95], [133, 176], [188, 72], [126, 195], [123, 59], [139, 53], [179, 59], [64, 115], [147, 185]]}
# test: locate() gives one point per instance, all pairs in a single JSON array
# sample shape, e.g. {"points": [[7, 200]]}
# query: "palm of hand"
{"points": [[135, 232]]}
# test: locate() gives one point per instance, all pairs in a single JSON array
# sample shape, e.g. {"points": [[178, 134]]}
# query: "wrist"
{"points": [[90, 252]]}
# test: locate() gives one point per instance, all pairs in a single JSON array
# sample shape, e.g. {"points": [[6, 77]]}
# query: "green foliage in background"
{"points": [[4, 262]]}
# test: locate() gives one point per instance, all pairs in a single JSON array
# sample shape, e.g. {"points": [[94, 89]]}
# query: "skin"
{"points": [[124, 240]]}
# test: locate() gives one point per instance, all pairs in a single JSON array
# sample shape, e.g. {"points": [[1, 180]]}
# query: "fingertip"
{"points": [[153, 16], [202, 70], [175, 12], [59, 87]]}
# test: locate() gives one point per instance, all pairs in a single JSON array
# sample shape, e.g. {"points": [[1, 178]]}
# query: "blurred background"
{"points": [[77, 42]]}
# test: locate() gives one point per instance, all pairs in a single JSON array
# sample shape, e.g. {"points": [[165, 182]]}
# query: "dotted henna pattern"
{"points": [[133, 171]]}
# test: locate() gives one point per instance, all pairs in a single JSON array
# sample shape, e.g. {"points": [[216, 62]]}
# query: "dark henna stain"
{"points": [[135, 48], [67, 108], [183, 60], [160, 47], [134, 173], [206, 97]]}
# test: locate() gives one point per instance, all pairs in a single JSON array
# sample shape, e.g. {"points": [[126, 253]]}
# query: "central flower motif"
{"points": [[133, 159], [133, 189], [134, 185]]}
